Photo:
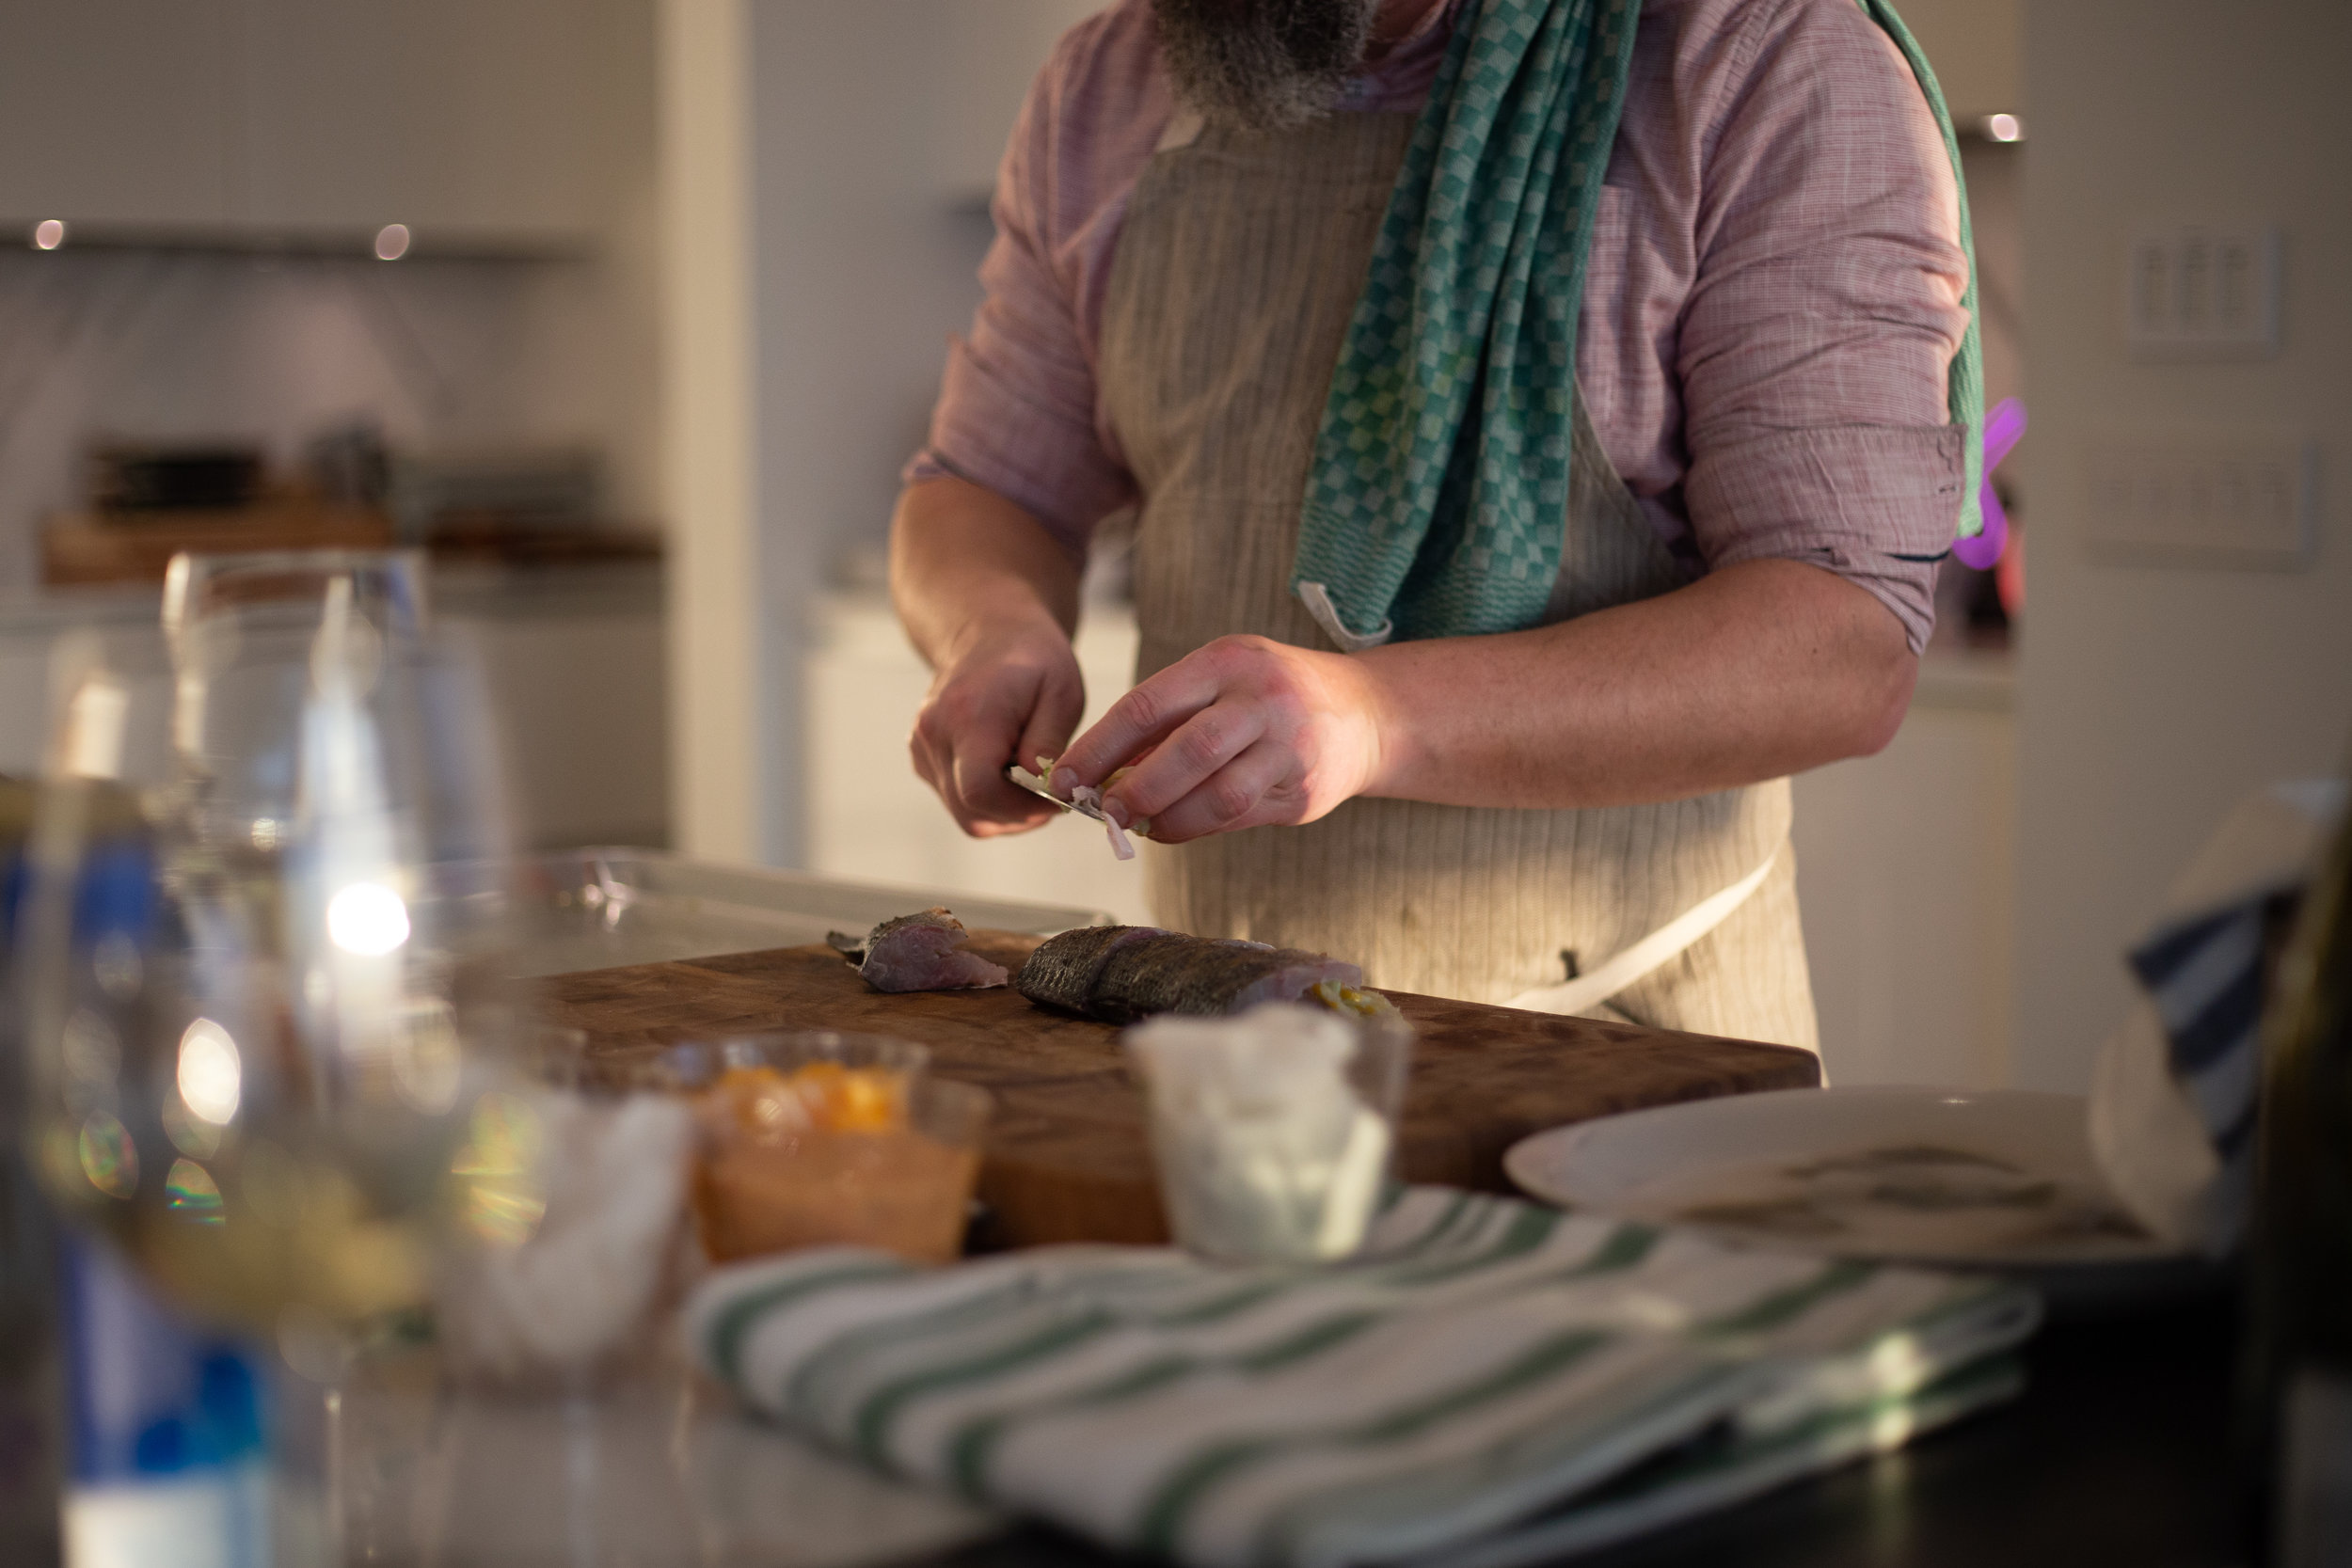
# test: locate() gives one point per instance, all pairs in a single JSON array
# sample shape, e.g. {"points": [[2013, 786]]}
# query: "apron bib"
{"points": [[1237, 272]]}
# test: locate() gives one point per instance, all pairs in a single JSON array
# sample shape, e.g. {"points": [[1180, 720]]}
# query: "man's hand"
{"points": [[1243, 733], [1012, 693], [989, 596]]}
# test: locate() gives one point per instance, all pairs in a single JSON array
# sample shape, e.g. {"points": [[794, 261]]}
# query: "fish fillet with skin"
{"points": [[1129, 973], [1061, 973], [918, 952]]}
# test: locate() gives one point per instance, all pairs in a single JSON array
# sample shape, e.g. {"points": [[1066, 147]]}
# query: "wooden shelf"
{"points": [[88, 550], [119, 547]]}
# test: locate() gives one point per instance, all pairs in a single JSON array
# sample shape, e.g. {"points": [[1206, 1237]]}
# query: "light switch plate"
{"points": [[2203, 291], [2203, 500]]}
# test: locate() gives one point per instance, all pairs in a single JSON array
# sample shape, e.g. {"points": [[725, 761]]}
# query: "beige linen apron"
{"points": [[1237, 270]]}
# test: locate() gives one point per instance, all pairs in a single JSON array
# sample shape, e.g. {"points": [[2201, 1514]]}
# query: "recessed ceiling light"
{"points": [[391, 242], [47, 234], [2004, 128]]}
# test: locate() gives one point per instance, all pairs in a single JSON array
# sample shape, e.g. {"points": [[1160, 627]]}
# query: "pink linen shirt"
{"points": [[1770, 306]]}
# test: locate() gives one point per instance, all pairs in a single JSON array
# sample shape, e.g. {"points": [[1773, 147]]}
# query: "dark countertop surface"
{"points": [[2118, 1453]]}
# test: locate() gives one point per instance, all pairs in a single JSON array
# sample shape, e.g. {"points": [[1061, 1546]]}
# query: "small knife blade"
{"points": [[1038, 787]]}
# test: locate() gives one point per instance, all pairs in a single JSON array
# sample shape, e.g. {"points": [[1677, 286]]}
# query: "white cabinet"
{"points": [[575, 665], [1905, 871], [571, 660], [115, 111], [464, 120], [478, 123]]}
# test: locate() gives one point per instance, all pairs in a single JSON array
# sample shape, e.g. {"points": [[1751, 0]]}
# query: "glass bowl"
{"points": [[1273, 1130], [823, 1138]]}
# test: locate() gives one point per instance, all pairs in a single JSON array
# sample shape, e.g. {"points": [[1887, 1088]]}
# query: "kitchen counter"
{"points": [[2118, 1453], [461, 591]]}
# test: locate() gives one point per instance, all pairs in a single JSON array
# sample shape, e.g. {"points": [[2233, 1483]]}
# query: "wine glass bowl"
{"points": [[263, 977]]}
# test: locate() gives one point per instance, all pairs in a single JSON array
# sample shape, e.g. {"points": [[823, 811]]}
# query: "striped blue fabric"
{"points": [[2203, 976], [2176, 1104], [1492, 1377]]}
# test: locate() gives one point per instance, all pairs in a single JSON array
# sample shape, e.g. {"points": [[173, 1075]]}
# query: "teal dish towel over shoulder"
{"points": [[1434, 507]]}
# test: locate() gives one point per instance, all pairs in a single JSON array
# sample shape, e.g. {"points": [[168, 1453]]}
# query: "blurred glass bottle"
{"points": [[30, 1443], [2297, 1375], [156, 1426]]}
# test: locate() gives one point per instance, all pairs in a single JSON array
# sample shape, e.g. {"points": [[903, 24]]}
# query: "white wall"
{"points": [[2150, 697], [821, 230]]}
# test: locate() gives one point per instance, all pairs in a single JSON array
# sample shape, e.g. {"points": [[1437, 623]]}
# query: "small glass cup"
{"points": [[828, 1139], [1274, 1132]]}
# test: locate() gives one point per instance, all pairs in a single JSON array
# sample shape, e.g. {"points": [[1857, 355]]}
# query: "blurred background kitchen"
{"points": [[630, 311]]}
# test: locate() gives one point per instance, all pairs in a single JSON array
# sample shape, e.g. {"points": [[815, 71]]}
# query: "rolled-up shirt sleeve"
{"points": [[1016, 410], [1816, 345]]}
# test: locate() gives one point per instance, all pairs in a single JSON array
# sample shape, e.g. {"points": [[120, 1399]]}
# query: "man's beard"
{"points": [[1269, 65]]}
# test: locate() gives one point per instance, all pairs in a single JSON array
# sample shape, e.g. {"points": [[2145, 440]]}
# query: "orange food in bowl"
{"points": [[826, 1155], [827, 1096]]}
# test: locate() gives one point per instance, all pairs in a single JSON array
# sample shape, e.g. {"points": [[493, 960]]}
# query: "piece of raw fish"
{"points": [[1123, 973], [1207, 976], [1062, 970], [918, 952]]}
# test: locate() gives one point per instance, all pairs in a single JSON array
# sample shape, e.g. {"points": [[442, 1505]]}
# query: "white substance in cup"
{"points": [[614, 1179], [1266, 1151]]}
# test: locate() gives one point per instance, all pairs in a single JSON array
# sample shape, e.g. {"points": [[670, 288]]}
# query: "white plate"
{"points": [[2001, 1179]]}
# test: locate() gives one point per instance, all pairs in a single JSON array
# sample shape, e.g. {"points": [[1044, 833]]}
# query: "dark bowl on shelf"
{"points": [[174, 479]]}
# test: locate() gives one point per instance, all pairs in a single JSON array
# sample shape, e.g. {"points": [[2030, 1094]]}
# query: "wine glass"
{"points": [[263, 992]]}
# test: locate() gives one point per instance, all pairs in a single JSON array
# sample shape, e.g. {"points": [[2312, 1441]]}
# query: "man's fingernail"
{"points": [[1116, 811], [1063, 780]]}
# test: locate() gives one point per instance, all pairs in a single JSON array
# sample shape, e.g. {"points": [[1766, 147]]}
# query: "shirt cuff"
{"points": [[1877, 504]]}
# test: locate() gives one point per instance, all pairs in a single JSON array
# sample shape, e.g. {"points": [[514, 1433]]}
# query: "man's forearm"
{"points": [[1755, 670], [965, 562]]}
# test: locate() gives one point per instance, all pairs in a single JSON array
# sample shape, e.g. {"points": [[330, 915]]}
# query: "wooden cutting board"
{"points": [[1067, 1160]]}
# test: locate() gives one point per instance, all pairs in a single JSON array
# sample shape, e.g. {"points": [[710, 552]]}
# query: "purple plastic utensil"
{"points": [[2003, 427]]}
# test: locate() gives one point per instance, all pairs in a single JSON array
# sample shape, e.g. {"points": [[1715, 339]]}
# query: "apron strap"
{"points": [[1633, 963]]}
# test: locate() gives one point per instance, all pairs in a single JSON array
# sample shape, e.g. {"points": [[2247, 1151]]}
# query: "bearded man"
{"points": [[1543, 417]]}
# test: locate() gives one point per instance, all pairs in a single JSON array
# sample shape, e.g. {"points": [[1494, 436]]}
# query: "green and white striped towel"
{"points": [[1494, 1380]]}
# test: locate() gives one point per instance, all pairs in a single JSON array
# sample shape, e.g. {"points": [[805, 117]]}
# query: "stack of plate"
{"points": [[2001, 1179]]}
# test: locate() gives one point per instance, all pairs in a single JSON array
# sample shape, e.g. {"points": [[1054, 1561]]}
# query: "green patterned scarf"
{"points": [[1441, 470]]}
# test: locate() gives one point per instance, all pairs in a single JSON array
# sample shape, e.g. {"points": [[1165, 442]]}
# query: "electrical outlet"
{"points": [[2203, 291], [2201, 501]]}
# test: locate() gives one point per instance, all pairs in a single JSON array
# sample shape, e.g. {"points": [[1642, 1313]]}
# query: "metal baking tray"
{"points": [[606, 908]]}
